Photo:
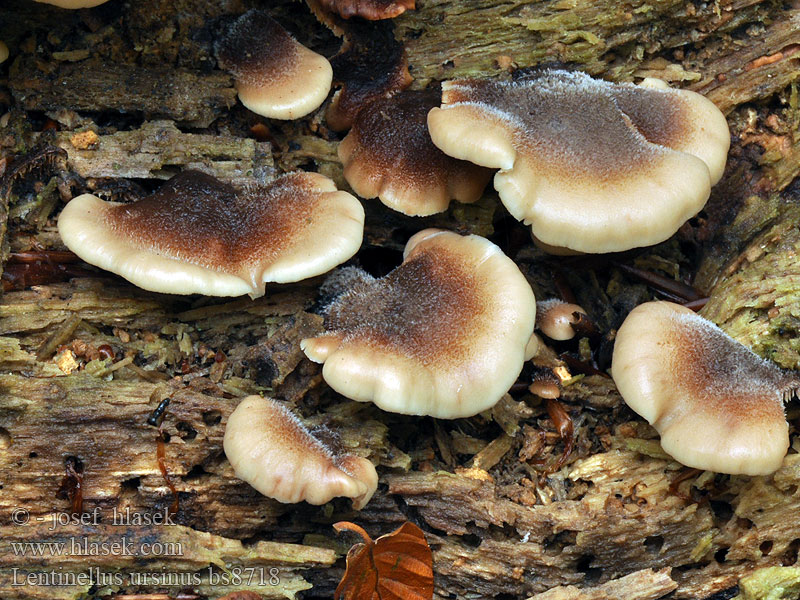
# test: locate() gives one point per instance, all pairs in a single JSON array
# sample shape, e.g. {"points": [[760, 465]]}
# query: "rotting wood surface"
{"points": [[618, 521]]}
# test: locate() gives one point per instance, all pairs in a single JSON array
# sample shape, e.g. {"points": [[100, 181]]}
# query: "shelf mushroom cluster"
{"points": [[446, 333]]}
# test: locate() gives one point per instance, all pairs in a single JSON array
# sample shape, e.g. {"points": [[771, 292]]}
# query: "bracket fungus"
{"points": [[444, 334], [389, 154], [372, 10], [592, 166], [276, 76], [272, 450], [717, 405], [198, 235]]}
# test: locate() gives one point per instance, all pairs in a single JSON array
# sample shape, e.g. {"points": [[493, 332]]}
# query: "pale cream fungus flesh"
{"points": [[199, 235], [716, 404]]}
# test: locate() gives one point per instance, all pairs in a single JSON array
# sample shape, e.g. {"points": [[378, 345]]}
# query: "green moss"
{"points": [[772, 583], [758, 301]]}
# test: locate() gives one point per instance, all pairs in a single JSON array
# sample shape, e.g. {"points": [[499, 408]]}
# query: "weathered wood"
{"points": [[757, 300], [110, 552], [188, 97], [159, 150], [605, 38], [642, 585]]}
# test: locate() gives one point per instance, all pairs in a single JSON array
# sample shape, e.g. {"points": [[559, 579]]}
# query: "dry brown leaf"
{"points": [[396, 566]]}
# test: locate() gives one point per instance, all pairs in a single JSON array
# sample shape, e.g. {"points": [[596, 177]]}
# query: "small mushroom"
{"points": [[198, 235], [545, 387], [272, 450], [389, 154], [591, 166], [372, 10], [717, 405], [275, 75], [555, 318], [444, 334]]}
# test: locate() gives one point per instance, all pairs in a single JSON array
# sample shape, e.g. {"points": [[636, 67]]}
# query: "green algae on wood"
{"points": [[771, 583], [757, 300]]}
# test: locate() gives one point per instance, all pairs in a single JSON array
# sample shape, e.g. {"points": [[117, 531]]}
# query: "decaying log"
{"points": [[159, 150], [619, 520], [188, 97], [642, 585], [756, 299], [129, 556]]}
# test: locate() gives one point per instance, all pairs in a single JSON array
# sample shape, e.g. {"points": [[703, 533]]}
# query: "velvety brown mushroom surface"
{"points": [[272, 450], [717, 405], [275, 75], [389, 154], [575, 157], [444, 334], [199, 235], [371, 64]]}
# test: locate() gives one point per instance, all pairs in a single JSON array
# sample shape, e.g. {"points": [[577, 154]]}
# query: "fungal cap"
{"points": [[72, 4], [444, 334], [272, 450], [545, 388], [199, 235], [3, 52], [371, 10], [577, 163], [389, 154], [678, 119], [717, 405], [556, 318], [276, 76]]}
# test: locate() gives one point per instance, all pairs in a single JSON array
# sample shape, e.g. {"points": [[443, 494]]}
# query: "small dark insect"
{"points": [[72, 484], [155, 417]]}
